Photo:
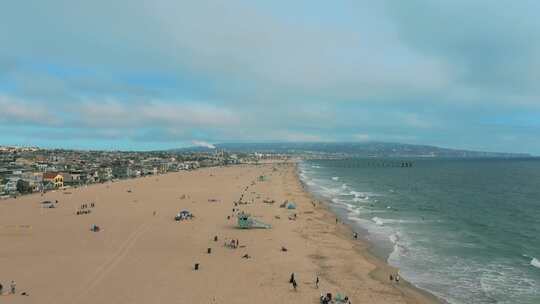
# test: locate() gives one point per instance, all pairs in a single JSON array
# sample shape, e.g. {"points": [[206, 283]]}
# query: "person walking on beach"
{"points": [[294, 285], [317, 282], [292, 278], [12, 287], [397, 278], [391, 278]]}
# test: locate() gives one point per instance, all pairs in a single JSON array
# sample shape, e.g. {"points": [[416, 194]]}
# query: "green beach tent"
{"points": [[245, 221]]}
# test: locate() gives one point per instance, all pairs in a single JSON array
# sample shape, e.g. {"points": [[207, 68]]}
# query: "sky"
{"points": [[146, 75]]}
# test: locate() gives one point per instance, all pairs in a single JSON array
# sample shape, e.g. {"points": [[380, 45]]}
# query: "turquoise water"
{"points": [[466, 230]]}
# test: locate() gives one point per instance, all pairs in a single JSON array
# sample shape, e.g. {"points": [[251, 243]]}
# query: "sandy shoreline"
{"points": [[139, 257]]}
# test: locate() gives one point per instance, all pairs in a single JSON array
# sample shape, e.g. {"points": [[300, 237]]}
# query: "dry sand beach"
{"points": [[141, 255]]}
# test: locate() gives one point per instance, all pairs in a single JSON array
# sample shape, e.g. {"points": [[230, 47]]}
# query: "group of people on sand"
{"points": [[84, 209], [232, 244], [394, 278], [12, 288], [85, 206], [327, 299], [324, 299]]}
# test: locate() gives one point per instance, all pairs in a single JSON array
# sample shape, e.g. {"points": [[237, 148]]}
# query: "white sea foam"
{"points": [[350, 207], [316, 167], [394, 238], [399, 250], [398, 221], [377, 221], [384, 221], [331, 191], [503, 280], [535, 263], [376, 211], [356, 212], [364, 195], [359, 196], [344, 203], [336, 178]]}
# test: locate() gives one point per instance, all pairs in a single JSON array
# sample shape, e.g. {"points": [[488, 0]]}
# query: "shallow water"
{"points": [[466, 230]]}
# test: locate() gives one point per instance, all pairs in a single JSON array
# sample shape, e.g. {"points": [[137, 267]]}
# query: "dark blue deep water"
{"points": [[467, 230]]}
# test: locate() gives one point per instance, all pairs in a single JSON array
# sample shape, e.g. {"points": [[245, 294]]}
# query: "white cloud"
{"points": [[245, 43], [200, 143], [14, 110], [113, 113], [237, 46], [195, 114]]}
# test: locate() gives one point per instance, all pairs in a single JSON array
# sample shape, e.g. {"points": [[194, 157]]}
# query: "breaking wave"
{"points": [[535, 263]]}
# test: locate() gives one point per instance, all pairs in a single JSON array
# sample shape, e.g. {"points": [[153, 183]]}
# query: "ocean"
{"points": [[466, 230]]}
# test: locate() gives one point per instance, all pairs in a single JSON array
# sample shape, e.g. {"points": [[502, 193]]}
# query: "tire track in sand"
{"points": [[104, 269]]}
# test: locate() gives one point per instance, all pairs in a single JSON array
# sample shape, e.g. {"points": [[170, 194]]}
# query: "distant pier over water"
{"points": [[379, 163]]}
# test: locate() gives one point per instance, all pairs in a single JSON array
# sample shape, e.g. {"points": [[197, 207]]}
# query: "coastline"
{"points": [[363, 247], [141, 245]]}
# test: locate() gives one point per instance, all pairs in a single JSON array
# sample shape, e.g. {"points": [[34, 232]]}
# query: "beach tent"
{"points": [[291, 205], [339, 298], [245, 221]]}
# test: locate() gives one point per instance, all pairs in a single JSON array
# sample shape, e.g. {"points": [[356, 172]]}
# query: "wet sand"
{"points": [[139, 257]]}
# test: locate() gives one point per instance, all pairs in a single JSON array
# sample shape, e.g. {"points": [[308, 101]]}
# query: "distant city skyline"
{"points": [[139, 75]]}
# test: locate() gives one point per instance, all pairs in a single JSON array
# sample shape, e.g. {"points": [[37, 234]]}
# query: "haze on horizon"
{"points": [[163, 74]]}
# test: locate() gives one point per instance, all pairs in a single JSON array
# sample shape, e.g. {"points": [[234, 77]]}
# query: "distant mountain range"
{"points": [[364, 149]]}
